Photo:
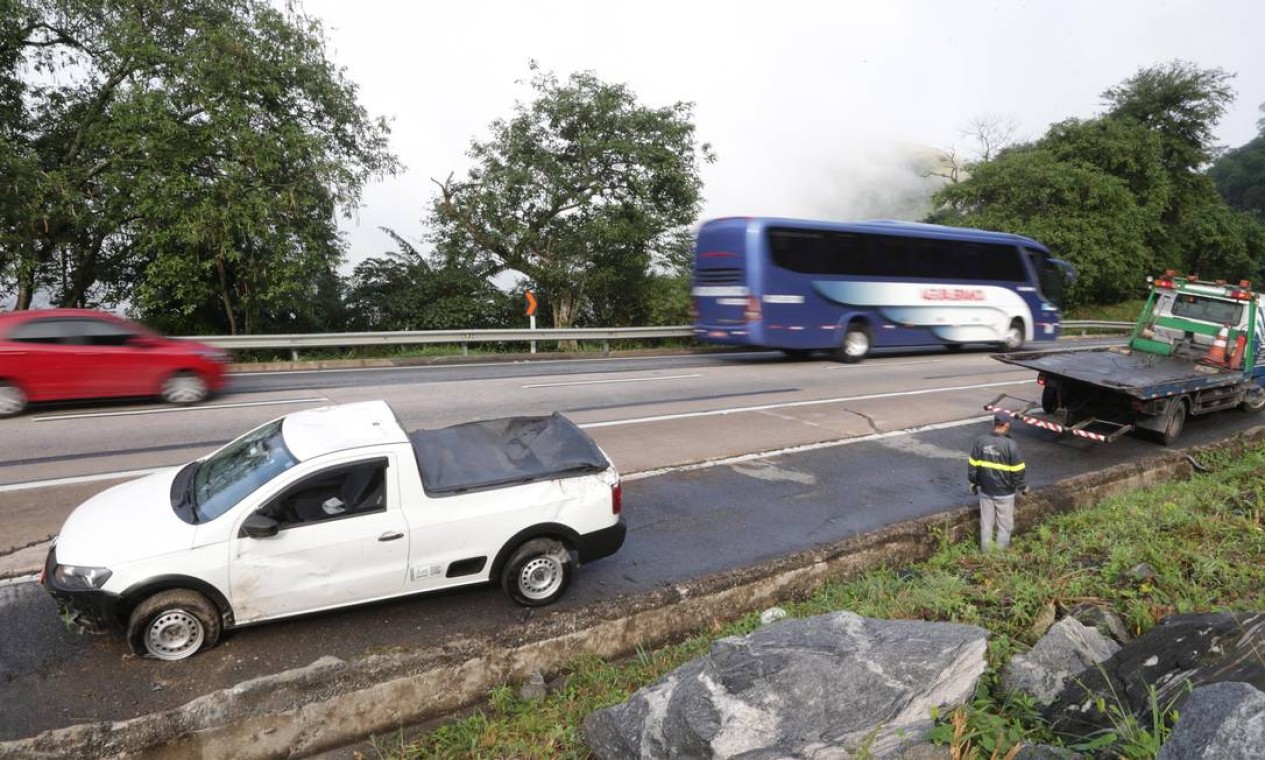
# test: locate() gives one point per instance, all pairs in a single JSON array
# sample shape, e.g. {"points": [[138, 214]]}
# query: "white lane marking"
{"points": [[790, 404], [806, 447], [177, 409], [607, 382], [881, 365], [30, 484], [612, 423]]}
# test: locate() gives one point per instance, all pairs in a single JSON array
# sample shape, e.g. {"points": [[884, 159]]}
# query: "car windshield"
{"points": [[238, 469]]}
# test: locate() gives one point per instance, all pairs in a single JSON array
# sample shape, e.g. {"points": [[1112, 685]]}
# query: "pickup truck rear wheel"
{"points": [[537, 572], [173, 625]]}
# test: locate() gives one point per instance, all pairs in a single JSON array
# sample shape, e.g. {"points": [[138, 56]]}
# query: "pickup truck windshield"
{"points": [[235, 471]]}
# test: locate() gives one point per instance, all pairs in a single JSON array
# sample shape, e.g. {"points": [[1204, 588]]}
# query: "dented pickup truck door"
{"points": [[341, 539]]}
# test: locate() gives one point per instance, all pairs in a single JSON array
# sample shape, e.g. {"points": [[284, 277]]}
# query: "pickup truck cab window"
{"points": [[336, 493], [239, 469]]}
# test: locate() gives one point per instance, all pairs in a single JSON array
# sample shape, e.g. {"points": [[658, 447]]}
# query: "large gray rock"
{"points": [[1066, 650], [1182, 652], [821, 687], [1222, 721]]}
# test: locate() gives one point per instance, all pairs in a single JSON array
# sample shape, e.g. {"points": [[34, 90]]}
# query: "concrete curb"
{"points": [[332, 703]]}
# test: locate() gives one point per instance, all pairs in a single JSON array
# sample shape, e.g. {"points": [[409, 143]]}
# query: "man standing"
{"points": [[996, 472]]}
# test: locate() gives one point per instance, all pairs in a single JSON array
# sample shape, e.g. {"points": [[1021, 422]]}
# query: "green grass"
{"points": [[1116, 312], [1203, 537]]}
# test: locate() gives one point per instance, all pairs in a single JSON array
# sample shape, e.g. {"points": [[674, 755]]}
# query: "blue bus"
{"points": [[802, 286]]}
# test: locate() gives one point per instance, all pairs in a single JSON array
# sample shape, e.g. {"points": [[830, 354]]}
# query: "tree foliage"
{"points": [[1239, 175], [189, 158], [1123, 194], [407, 289], [580, 191]]}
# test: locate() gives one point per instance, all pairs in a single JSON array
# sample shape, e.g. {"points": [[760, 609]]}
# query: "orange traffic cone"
{"points": [[1216, 354], [1236, 352]]}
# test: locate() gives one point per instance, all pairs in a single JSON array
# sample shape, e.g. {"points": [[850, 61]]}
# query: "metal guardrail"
{"points": [[298, 341], [295, 342]]}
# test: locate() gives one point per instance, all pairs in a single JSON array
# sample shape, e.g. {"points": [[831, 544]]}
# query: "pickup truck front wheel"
{"points": [[173, 625], [537, 572]]}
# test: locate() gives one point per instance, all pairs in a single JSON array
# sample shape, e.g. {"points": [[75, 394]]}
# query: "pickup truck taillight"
{"points": [[617, 498]]}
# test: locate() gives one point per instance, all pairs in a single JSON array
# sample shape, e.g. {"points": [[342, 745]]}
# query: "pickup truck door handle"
{"points": [[390, 536]]}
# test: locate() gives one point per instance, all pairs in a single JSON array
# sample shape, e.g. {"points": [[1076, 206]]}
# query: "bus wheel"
{"points": [[856, 343], [1014, 336]]}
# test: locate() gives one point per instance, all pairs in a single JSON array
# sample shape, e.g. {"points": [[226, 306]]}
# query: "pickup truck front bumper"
{"points": [[86, 611], [601, 543]]}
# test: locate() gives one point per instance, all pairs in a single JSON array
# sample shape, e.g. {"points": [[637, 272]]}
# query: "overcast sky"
{"points": [[813, 108]]}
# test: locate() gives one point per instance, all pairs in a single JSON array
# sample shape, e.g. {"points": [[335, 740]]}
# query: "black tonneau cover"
{"points": [[500, 452]]}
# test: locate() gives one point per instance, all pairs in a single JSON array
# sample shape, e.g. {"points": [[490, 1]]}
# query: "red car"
{"points": [[59, 354]]}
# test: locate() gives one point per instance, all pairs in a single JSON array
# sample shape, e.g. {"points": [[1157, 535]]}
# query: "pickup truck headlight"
{"points": [[76, 578]]}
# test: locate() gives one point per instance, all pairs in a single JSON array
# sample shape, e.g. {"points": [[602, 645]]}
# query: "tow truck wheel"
{"points": [[537, 572], [1050, 400], [173, 625], [1174, 421], [1254, 401]]}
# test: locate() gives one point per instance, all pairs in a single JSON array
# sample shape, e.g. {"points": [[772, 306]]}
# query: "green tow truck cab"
{"points": [[1196, 349]]}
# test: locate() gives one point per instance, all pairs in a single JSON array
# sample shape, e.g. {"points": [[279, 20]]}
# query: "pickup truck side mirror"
{"points": [[259, 526]]}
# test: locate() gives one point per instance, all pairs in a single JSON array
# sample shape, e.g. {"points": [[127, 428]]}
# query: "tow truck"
{"points": [[1195, 349]]}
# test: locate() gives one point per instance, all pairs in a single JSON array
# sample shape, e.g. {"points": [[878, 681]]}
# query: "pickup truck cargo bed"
{"points": [[499, 452]]}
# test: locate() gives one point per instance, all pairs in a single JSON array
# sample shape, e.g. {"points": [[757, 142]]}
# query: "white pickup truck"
{"points": [[331, 507]]}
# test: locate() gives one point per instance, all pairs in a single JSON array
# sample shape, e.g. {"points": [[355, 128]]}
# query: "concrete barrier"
{"points": [[332, 703]]}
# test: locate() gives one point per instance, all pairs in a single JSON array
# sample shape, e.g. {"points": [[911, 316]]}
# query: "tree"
{"points": [[409, 290], [1239, 175], [1120, 195], [578, 191], [185, 156]]}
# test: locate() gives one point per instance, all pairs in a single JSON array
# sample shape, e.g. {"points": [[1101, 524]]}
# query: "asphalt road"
{"points": [[684, 523]]}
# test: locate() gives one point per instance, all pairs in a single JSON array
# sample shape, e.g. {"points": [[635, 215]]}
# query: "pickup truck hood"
{"points": [[130, 521]]}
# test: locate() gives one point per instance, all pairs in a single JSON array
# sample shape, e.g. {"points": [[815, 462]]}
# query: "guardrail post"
{"points": [[294, 354], [606, 347], [465, 349]]}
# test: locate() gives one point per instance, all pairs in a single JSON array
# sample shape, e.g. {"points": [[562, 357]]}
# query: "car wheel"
{"points": [[537, 572], [1174, 422], [1014, 336], [12, 399], [856, 344], [184, 388], [173, 625]]}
